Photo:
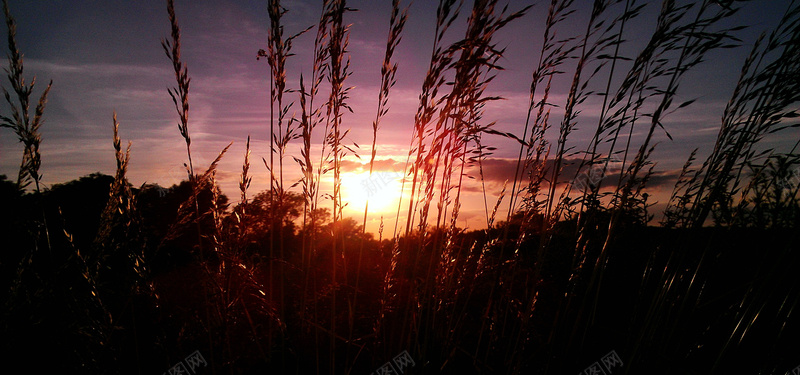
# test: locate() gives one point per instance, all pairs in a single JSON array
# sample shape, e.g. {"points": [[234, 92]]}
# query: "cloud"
{"points": [[385, 165], [498, 170], [95, 69]]}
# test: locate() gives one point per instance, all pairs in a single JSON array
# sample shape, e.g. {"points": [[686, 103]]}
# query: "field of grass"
{"points": [[100, 276]]}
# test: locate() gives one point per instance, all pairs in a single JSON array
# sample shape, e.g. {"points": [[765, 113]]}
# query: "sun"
{"points": [[382, 189]]}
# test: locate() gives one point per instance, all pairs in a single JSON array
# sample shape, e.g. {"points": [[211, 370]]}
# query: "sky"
{"points": [[105, 56]]}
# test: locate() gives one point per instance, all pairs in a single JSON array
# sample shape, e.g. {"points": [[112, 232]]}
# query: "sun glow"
{"points": [[381, 189]]}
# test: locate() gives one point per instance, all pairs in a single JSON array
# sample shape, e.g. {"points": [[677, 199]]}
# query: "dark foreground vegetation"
{"points": [[100, 276], [131, 297]]}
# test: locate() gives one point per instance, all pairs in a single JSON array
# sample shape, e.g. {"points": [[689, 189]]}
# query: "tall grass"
{"points": [[25, 127], [573, 271], [758, 107], [397, 22]]}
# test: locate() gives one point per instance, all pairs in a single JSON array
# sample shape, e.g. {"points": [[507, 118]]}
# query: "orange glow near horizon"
{"points": [[381, 189]]}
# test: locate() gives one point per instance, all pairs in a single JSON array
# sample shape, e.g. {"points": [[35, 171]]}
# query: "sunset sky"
{"points": [[105, 56]]}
